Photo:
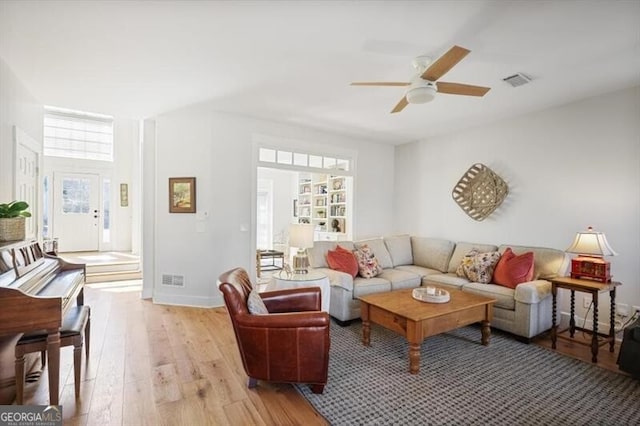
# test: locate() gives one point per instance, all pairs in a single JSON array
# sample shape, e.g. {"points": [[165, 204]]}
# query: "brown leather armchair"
{"points": [[290, 344]]}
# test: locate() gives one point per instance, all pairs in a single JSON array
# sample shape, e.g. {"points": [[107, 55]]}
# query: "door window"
{"points": [[75, 196]]}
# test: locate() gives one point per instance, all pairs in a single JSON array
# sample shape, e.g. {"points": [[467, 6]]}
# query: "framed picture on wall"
{"points": [[182, 195], [295, 208]]}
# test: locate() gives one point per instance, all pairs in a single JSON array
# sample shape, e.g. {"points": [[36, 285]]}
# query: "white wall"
{"points": [[218, 150], [567, 168], [17, 107]]}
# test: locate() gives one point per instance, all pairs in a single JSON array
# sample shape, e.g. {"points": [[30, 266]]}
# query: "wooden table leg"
{"points": [[366, 324], [612, 318], [594, 338], [53, 358], [486, 332], [414, 358], [572, 318], [554, 325], [414, 337]]}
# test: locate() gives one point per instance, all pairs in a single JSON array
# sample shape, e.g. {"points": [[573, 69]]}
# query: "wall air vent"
{"points": [[518, 79], [173, 280]]}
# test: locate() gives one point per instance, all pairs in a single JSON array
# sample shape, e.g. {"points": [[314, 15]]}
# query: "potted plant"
{"points": [[12, 217]]}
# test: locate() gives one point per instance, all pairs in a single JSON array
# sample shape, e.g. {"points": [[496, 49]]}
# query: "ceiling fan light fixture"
{"points": [[421, 94]]}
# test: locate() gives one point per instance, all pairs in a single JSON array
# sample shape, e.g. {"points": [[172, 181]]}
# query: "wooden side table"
{"points": [[593, 288]]}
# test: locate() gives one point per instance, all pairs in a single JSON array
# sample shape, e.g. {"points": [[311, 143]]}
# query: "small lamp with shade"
{"points": [[591, 247], [301, 237]]}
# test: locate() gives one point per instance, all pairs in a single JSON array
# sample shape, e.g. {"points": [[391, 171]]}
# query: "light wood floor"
{"points": [[154, 364]]}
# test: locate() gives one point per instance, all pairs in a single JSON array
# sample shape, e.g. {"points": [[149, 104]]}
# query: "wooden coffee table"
{"points": [[415, 320]]}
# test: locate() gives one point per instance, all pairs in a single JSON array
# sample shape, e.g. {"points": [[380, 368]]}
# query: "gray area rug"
{"points": [[462, 382]]}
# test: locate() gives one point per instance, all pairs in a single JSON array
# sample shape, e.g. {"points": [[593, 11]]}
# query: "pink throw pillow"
{"points": [[343, 260], [512, 270]]}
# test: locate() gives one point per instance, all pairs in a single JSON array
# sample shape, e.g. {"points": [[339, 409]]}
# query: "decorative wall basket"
{"points": [[480, 191], [12, 228]]}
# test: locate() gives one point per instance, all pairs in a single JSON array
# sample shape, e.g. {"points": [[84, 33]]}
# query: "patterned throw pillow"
{"points": [[478, 267], [255, 304], [368, 265]]}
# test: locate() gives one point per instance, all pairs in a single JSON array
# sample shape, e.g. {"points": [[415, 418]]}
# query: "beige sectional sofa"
{"points": [[410, 262]]}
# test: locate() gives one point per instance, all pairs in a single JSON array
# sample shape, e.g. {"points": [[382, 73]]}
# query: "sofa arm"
{"points": [[293, 300], [339, 279], [532, 292]]}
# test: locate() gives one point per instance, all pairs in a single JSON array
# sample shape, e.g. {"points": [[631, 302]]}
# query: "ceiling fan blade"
{"points": [[403, 103], [445, 63], [380, 83], [461, 89]]}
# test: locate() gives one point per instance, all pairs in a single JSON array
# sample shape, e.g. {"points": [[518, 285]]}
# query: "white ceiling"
{"points": [[292, 61]]}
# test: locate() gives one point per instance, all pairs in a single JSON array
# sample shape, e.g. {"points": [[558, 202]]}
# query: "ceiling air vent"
{"points": [[517, 79], [173, 280]]}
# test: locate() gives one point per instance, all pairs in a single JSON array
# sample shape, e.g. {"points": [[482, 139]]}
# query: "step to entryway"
{"points": [[107, 266]]}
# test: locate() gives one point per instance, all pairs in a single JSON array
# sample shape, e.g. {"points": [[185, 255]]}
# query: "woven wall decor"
{"points": [[480, 191]]}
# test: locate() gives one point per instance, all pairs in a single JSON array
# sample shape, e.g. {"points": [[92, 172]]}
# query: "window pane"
{"points": [[285, 157], [77, 134], [329, 163], [315, 161], [75, 195], [267, 155], [342, 164], [106, 198], [299, 159]]}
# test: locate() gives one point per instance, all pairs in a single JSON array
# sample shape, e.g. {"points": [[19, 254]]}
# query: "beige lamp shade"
{"points": [[591, 243], [301, 235]]}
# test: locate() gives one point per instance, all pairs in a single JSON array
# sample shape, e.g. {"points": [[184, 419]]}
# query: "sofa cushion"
{"points": [[364, 286], [432, 253], [512, 270], [318, 253], [478, 267], [418, 270], [343, 260], [379, 250], [368, 266], [449, 280], [399, 247], [401, 279], [463, 248], [548, 263], [504, 296]]}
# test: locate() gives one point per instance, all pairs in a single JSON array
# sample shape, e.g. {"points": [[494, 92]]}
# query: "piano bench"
{"points": [[76, 323]]}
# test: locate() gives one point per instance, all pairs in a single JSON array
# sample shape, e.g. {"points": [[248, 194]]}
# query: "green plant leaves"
{"points": [[14, 209]]}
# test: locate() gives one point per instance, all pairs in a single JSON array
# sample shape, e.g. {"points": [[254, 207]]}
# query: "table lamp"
{"points": [[301, 237], [591, 246]]}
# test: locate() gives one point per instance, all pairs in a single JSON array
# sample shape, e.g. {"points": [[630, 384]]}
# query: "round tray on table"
{"points": [[431, 295]]}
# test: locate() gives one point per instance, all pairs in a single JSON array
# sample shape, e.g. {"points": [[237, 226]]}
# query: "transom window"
{"points": [[268, 155], [77, 134]]}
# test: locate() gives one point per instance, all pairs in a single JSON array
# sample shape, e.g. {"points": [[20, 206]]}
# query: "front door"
{"points": [[76, 211]]}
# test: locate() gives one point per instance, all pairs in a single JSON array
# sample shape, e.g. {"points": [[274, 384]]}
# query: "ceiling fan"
{"points": [[424, 85]]}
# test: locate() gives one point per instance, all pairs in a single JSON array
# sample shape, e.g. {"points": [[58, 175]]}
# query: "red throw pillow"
{"points": [[512, 270], [342, 260]]}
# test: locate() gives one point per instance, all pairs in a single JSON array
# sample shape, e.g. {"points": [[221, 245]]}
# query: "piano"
{"points": [[36, 290]]}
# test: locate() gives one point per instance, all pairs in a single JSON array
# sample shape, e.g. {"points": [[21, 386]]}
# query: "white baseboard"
{"points": [[179, 300]]}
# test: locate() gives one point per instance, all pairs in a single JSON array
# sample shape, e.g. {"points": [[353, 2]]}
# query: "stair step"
{"points": [[123, 266], [113, 276]]}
